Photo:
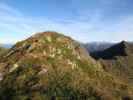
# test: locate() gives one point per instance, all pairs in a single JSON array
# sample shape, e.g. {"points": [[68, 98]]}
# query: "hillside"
{"points": [[51, 66], [118, 60], [2, 50]]}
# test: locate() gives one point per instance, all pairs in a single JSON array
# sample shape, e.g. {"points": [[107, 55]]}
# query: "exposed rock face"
{"points": [[49, 66]]}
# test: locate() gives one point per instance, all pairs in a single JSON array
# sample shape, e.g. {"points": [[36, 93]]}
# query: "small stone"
{"points": [[58, 51], [14, 67], [43, 71], [74, 66], [1, 77], [79, 57], [31, 47], [69, 62], [52, 55], [44, 53], [49, 39]]}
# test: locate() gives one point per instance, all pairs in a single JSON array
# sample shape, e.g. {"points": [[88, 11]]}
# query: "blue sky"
{"points": [[84, 20]]}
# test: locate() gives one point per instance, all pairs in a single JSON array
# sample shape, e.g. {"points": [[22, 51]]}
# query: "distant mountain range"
{"points": [[97, 46], [6, 45]]}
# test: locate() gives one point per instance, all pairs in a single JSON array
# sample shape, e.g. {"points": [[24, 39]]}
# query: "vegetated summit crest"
{"points": [[47, 42], [46, 47], [48, 37]]}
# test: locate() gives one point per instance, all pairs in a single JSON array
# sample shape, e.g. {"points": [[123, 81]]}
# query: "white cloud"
{"points": [[12, 22]]}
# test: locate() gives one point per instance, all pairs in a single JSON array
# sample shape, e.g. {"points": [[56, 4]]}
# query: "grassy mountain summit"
{"points": [[51, 66]]}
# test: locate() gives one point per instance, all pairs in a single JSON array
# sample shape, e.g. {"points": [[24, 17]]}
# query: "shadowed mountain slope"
{"points": [[51, 66], [118, 60]]}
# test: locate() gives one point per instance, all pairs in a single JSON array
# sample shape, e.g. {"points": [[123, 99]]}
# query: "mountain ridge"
{"points": [[119, 49], [52, 66], [117, 60]]}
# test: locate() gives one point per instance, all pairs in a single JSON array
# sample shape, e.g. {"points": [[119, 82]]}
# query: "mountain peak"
{"points": [[47, 62], [41, 39], [123, 48], [127, 47], [123, 44], [119, 49], [48, 45], [51, 65], [47, 33]]}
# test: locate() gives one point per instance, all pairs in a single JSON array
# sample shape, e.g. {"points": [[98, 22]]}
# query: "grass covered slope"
{"points": [[2, 50], [49, 66]]}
